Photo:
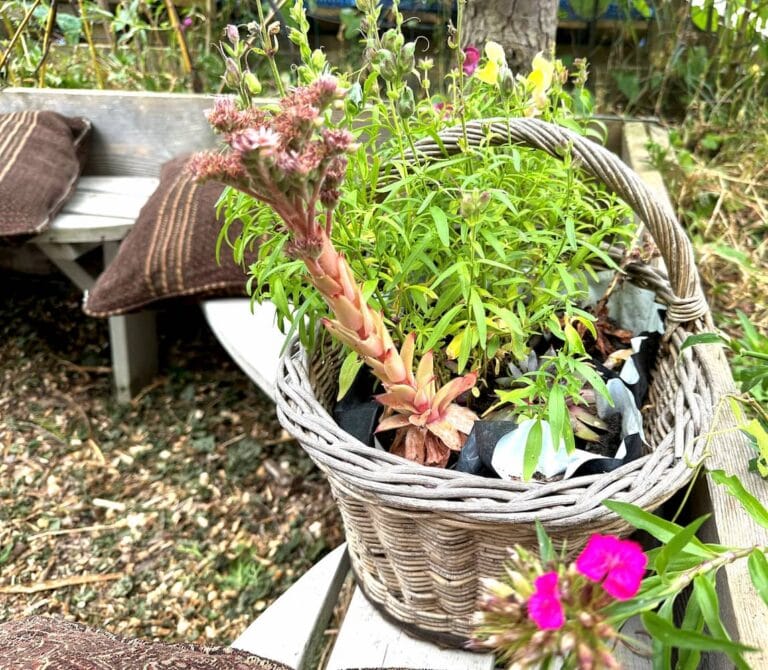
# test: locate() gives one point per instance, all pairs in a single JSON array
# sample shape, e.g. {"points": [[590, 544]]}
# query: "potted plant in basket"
{"points": [[455, 266]]}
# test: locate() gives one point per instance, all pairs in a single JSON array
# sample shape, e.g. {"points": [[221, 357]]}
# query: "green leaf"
{"points": [[667, 634], [556, 413], [479, 312], [756, 430], [701, 338], [532, 450], [441, 225], [751, 505], [706, 595], [758, 571], [661, 529], [441, 328], [349, 369], [677, 544], [546, 550]]}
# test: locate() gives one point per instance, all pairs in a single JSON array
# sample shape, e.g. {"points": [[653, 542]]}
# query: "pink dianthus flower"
{"points": [[621, 563], [544, 605]]}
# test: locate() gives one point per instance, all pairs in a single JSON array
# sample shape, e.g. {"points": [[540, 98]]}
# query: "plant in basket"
{"points": [[450, 235]]}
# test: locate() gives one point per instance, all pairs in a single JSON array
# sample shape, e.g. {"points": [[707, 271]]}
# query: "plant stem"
{"points": [[269, 51], [47, 38], [176, 27], [17, 34], [91, 46]]}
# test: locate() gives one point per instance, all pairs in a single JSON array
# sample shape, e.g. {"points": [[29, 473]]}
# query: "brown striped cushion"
{"points": [[170, 251], [41, 156], [46, 642]]}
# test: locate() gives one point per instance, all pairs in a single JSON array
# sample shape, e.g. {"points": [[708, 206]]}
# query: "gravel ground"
{"points": [[180, 516]]}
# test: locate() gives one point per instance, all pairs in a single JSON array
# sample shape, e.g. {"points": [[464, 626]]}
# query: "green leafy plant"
{"points": [[750, 366], [467, 258], [543, 608]]}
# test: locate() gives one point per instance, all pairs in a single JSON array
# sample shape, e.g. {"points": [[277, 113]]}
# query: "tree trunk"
{"points": [[522, 27]]}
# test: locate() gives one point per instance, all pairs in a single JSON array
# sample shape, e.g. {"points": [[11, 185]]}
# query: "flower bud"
{"points": [[506, 81], [567, 643], [426, 64], [252, 83], [273, 28], [604, 630], [233, 35], [586, 619], [386, 62], [408, 58], [392, 40], [586, 657], [231, 73], [406, 105]]}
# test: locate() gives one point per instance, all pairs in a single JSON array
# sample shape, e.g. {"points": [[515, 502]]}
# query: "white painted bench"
{"points": [[133, 135]]}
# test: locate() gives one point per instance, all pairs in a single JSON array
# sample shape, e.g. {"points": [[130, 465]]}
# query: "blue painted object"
{"points": [[585, 10], [569, 9], [404, 5]]}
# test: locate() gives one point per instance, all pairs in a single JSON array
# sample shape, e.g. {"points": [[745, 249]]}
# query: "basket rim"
{"points": [[383, 478]]}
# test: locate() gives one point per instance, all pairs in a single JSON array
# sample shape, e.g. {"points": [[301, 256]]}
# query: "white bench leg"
{"points": [[133, 345]]}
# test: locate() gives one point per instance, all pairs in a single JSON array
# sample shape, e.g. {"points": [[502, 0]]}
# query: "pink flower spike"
{"points": [[621, 563], [471, 59], [544, 605]]}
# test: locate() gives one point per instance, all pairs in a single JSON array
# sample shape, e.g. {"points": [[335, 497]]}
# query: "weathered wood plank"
{"points": [[252, 339], [367, 640], [744, 613], [77, 228], [290, 630], [91, 203], [137, 186], [133, 345], [134, 132], [636, 155], [69, 266]]}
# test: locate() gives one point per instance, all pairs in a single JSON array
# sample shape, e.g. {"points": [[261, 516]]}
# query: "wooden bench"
{"points": [[133, 135]]}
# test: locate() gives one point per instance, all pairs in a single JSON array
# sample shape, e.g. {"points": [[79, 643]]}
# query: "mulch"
{"points": [[179, 516]]}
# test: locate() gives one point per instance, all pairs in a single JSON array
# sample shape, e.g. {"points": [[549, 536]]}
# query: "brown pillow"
{"points": [[47, 642], [41, 157], [170, 251]]}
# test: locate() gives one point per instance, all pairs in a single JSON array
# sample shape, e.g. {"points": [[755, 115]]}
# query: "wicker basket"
{"points": [[421, 538]]}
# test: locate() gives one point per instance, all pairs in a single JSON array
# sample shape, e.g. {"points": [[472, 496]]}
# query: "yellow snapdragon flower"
{"points": [[496, 59]]}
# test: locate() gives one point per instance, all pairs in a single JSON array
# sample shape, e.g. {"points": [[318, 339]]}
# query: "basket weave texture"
{"points": [[421, 538]]}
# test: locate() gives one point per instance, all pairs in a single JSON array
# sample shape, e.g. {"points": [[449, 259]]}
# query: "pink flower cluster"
{"points": [[619, 565]]}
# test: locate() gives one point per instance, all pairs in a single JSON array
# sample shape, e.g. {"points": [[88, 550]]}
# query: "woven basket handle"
{"points": [[675, 247]]}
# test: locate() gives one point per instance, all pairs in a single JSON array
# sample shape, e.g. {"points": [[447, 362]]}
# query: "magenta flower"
{"points": [[544, 605], [186, 23], [620, 562], [471, 59]]}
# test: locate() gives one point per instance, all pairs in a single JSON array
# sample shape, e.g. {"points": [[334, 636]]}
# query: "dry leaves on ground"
{"points": [[180, 516]]}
